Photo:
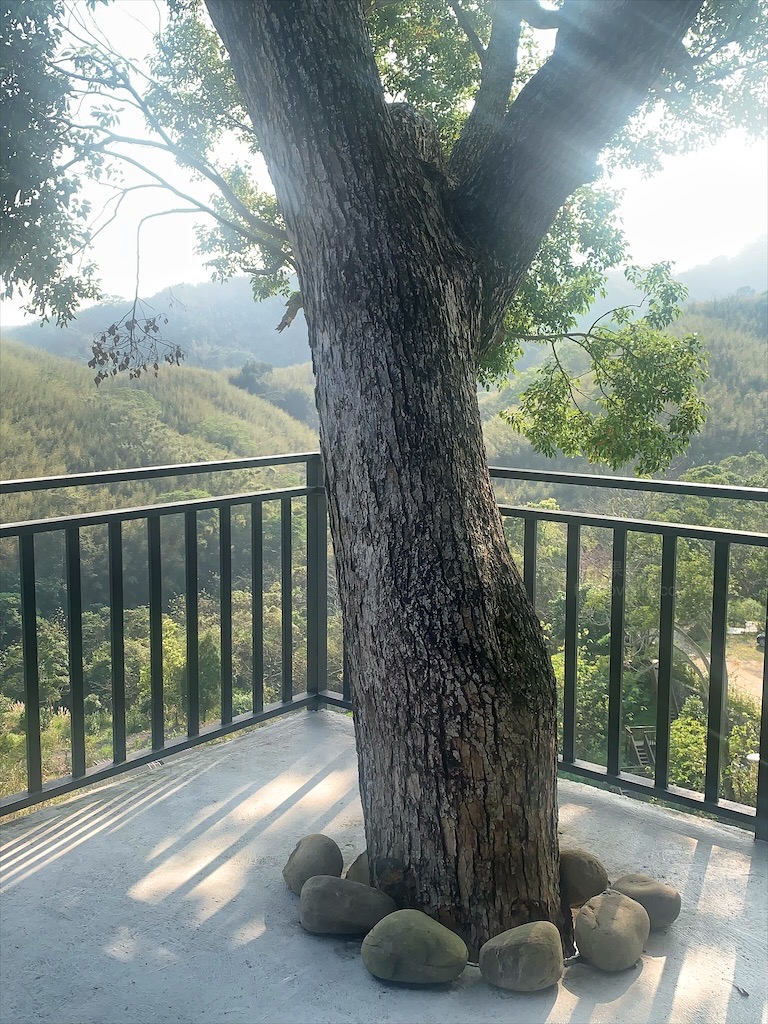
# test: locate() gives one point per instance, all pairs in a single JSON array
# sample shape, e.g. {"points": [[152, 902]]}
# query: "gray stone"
{"points": [[358, 870], [313, 855], [661, 901], [611, 930], [336, 906], [582, 876], [523, 959], [410, 947]]}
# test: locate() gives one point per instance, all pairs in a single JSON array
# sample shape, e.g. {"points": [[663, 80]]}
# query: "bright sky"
{"points": [[703, 205]]}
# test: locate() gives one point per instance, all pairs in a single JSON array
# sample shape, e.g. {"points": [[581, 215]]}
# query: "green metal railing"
{"points": [[318, 692]]}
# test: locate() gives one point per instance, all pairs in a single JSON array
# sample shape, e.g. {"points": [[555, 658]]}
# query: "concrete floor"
{"points": [[159, 898]]}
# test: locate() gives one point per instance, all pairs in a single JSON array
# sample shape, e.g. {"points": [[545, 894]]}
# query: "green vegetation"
{"points": [[690, 677], [631, 396], [54, 422], [217, 324], [733, 334]]}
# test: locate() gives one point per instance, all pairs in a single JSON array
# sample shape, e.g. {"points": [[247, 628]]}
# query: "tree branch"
{"points": [[139, 226], [536, 15], [118, 201], [181, 154], [607, 56], [271, 246], [492, 100], [468, 28], [259, 226], [568, 379], [292, 307]]}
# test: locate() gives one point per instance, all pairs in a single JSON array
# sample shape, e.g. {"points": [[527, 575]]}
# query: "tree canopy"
{"points": [[77, 109]]}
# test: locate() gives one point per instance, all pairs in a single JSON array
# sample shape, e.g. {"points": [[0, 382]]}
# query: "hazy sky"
{"points": [[701, 206]]}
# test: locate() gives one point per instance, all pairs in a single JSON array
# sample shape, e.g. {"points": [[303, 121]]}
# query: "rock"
{"points": [[410, 947], [358, 870], [581, 876], [337, 906], [611, 930], [314, 855], [661, 901], [523, 959]]}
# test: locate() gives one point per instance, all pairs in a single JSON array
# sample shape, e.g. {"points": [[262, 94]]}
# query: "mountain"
{"points": [[747, 271], [217, 325], [54, 420]]}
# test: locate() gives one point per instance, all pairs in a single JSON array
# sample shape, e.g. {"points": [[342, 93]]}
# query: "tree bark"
{"points": [[454, 695]]}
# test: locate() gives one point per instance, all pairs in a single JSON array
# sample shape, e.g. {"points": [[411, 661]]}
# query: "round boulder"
{"points": [[336, 906], [611, 930], [523, 959], [314, 855], [661, 901], [358, 870], [410, 947], [582, 876]]}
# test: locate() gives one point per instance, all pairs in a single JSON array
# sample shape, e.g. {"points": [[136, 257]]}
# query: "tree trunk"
{"points": [[454, 695], [455, 701]]}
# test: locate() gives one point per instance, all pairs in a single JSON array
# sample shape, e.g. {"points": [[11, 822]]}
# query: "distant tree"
{"points": [[252, 378], [430, 241]]}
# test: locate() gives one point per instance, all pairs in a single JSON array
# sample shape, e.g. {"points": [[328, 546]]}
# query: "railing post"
{"points": [[572, 574], [761, 804], [192, 604], [225, 612], [616, 670], [155, 633], [257, 607], [718, 694], [529, 559], [286, 599], [31, 664], [317, 579], [117, 641], [666, 658], [75, 644]]}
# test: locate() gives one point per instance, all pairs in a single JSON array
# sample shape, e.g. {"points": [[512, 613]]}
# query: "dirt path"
{"points": [[746, 675]]}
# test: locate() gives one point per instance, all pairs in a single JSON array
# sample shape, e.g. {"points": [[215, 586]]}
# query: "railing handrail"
{"points": [[708, 533], [34, 526], [625, 483], [85, 519], [630, 483], [111, 476]]}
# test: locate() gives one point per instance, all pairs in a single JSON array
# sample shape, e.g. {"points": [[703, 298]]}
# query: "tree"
{"points": [[414, 239], [39, 206]]}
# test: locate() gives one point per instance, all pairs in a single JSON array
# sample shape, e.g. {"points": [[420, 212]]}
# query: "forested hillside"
{"points": [[189, 414], [53, 420]]}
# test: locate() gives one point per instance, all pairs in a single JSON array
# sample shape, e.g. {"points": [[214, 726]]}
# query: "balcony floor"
{"points": [[158, 898]]}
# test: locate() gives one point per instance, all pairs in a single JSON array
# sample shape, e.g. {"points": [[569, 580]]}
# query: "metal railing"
{"points": [[621, 528], [318, 692], [27, 532]]}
